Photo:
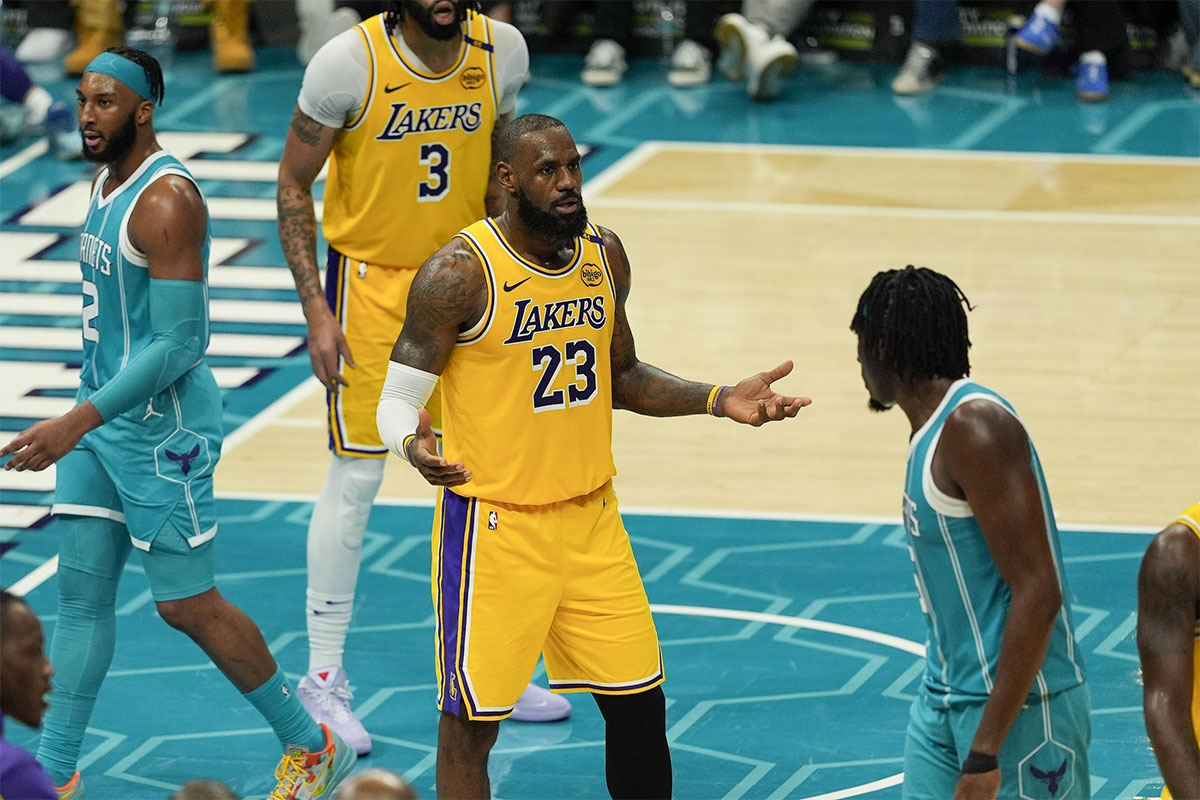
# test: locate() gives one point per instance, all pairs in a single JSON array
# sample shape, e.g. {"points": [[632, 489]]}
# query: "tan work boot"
{"points": [[230, 30], [97, 28]]}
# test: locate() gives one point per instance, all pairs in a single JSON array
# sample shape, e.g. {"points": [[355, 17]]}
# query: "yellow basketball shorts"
{"points": [[510, 582], [369, 301]]}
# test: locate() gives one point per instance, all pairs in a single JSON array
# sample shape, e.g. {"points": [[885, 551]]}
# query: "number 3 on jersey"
{"points": [[548, 360], [436, 157]]}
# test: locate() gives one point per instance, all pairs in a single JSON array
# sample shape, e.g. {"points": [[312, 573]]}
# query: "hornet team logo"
{"points": [[185, 459], [591, 275], [1051, 778]]}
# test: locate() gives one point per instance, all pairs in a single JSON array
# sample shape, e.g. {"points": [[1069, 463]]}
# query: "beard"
{"points": [[877, 406], [118, 146], [424, 18], [548, 225]]}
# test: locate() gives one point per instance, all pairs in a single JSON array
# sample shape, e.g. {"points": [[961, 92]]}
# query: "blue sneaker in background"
{"points": [[1091, 77], [1038, 36]]}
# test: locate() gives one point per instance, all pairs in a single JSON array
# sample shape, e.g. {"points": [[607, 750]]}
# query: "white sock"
{"points": [[335, 537], [37, 102], [1048, 12]]}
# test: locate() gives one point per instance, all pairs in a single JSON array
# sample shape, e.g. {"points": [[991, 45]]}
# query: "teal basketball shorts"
{"points": [[151, 465], [1045, 755]]}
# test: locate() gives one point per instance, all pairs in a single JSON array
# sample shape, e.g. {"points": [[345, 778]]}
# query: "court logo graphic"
{"points": [[185, 459], [472, 78], [493, 520], [1051, 778], [591, 275]]}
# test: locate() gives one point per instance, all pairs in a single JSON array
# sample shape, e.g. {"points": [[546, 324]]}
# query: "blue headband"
{"points": [[124, 70]]}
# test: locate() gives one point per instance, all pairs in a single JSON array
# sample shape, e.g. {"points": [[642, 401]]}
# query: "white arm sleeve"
{"points": [[335, 80], [512, 64], [405, 392]]}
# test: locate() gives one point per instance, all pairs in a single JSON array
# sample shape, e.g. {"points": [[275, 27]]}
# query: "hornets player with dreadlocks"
{"points": [[1003, 706], [406, 106]]}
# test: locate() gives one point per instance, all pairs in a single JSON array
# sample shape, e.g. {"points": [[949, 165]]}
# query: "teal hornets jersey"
{"points": [[962, 594], [116, 276]]}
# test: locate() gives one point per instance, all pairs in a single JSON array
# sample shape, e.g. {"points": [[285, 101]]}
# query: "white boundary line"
{"points": [[18, 160], [35, 578], [902, 152], [695, 513], [269, 414], [886, 639]]}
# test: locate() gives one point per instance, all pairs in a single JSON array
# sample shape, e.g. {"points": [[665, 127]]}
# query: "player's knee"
{"points": [[191, 615], [358, 481], [468, 738], [645, 711]]}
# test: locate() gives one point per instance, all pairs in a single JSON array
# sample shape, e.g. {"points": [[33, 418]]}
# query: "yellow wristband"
{"points": [[710, 407]]}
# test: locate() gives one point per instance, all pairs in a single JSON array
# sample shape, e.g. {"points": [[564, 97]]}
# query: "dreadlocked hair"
{"points": [[913, 318], [395, 13], [154, 74]]}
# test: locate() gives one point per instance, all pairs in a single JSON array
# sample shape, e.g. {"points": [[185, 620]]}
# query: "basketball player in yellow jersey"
{"points": [[523, 316], [405, 104], [1168, 637]]}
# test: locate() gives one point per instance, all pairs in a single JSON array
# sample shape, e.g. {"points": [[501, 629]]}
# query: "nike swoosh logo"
{"points": [[508, 288], [390, 89]]}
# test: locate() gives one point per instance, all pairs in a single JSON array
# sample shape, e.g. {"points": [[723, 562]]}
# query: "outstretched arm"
{"points": [[646, 389], [448, 295], [1168, 593], [984, 457], [305, 150]]}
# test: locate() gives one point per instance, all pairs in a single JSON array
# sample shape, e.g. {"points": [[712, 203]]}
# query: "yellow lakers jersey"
{"points": [[527, 392], [1190, 518], [412, 168]]}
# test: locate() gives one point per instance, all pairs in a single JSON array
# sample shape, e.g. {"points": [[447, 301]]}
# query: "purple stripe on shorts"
{"points": [[333, 273], [457, 521]]}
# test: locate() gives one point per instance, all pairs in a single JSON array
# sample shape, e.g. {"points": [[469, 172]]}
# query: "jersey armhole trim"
{"points": [[129, 251], [480, 328], [372, 69]]}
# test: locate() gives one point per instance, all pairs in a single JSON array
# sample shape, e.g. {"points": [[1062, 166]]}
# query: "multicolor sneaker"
{"points": [[72, 789], [302, 775], [1038, 36], [325, 692], [1091, 77], [540, 705]]}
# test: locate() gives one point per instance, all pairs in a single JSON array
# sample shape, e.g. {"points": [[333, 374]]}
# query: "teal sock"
{"points": [[291, 721]]}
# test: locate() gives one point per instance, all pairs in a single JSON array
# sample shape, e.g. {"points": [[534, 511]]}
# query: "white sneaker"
{"points": [[325, 692], [604, 64], [691, 65], [920, 71], [737, 36], [768, 65], [44, 44], [540, 705]]}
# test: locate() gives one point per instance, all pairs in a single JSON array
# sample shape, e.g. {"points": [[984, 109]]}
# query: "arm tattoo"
{"points": [[447, 296], [307, 130], [298, 236]]}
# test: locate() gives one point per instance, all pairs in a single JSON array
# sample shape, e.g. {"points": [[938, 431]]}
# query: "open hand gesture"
{"points": [[423, 454], [753, 402]]}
